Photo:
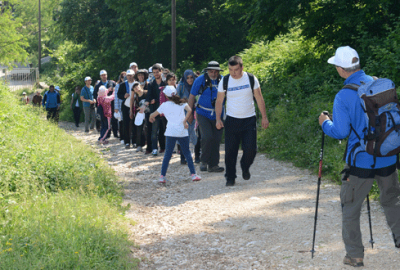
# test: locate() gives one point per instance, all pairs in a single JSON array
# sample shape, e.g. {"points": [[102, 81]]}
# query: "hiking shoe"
{"points": [[195, 177], [134, 145], [230, 183], [356, 262], [203, 167], [155, 152], [162, 179], [127, 146], [162, 151], [216, 169], [139, 149], [122, 142], [183, 161], [105, 142], [246, 175]]}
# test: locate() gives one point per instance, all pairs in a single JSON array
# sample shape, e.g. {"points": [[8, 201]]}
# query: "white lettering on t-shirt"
{"points": [[239, 96]]}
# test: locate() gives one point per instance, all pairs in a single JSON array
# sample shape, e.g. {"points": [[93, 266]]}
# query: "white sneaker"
{"points": [[134, 145], [162, 179], [155, 152], [196, 177], [122, 142], [139, 149]]}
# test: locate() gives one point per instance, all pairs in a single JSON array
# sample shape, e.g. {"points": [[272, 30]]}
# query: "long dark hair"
{"points": [[177, 100]]}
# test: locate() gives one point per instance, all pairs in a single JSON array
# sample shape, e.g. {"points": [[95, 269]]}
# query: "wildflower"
{"points": [[8, 244], [76, 252]]}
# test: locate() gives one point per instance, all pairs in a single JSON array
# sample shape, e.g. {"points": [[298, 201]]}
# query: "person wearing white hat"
{"points": [[25, 98], [109, 85], [89, 104], [124, 93], [358, 175], [137, 95], [177, 130], [134, 66]]}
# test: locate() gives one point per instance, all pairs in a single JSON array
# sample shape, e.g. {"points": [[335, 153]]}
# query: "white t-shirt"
{"points": [[77, 102], [239, 96], [175, 115]]}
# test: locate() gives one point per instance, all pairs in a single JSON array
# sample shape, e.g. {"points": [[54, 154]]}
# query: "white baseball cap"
{"points": [[344, 57], [88, 78], [169, 91], [130, 72], [133, 64], [57, 88], [103, 72]]}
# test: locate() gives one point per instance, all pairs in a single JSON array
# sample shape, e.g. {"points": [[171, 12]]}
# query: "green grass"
{"points": [[59, 201]]}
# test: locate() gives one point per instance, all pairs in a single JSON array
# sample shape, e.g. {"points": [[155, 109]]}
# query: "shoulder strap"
{"points": [[351, 86], [251, 79], [225, 82]]}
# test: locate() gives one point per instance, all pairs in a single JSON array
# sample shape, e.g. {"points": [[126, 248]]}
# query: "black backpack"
{"points": [[100, 113]]}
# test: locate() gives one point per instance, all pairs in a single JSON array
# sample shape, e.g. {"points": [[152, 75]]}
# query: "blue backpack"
{"points": [[381, 137]]}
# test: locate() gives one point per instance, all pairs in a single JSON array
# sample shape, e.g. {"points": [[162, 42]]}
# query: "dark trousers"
{"points": [[127, 123], [197, 147], [148, 133], [157, 133], [77, 115], [121, 130], [114, 125], [239, 131], [51, 114], [210, 140], [104, 128]]}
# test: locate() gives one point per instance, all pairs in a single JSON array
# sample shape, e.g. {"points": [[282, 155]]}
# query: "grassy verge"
{"points": [[59, 202]]}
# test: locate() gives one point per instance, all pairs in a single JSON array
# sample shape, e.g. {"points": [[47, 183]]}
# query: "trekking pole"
{"points": [[370, 224], [321, 155]]}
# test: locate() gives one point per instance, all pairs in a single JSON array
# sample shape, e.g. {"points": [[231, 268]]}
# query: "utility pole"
{"points": [[173, 35], [40, 39]]}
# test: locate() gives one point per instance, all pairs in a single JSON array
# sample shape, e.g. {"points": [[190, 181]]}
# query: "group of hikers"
{"points": [[148, 107]]}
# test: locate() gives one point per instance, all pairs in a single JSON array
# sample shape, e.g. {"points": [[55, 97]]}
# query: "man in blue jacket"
{"points": [[206, 86], [51, 101], [358, 176]]}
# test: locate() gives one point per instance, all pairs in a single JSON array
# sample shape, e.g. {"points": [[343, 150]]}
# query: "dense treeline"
{"points": [[285, 43]]}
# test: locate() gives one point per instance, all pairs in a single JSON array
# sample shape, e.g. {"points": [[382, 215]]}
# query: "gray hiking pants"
{"points": [[90, 116], [352, 195]]}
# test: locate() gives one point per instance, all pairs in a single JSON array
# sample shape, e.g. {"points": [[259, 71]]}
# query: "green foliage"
{"points": [[39, 157], [63, 231], [13, 43], [59, 202]]}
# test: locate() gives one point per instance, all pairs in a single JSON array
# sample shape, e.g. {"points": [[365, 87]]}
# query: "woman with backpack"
{"points": [[174, 110]]}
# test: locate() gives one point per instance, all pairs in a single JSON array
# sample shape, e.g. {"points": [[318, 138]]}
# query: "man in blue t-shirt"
{"points": [[88, 104], [51, 100], [206, 86], [359, 173]]}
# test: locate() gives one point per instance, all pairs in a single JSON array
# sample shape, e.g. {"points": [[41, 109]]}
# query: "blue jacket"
{"points": [[206, 98], [347, 110], [51, 100]]}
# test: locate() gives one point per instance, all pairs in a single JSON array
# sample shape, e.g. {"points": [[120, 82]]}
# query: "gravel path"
{"points": [[264, 223]]}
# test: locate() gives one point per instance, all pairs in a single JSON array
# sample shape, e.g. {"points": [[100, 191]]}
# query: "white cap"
{"points": [[24, 93], [169, 91], [102, 91], [133, 64], [130, 72], [159, 65], [344, 57], [150, 69], [88, 78], [103, 72], [57, 88]]}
